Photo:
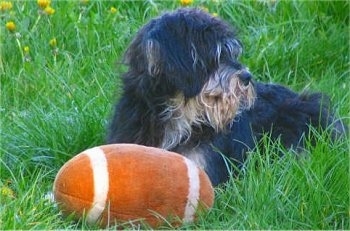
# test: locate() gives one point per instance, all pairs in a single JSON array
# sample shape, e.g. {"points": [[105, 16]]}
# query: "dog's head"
{"points": [[188, 59]]}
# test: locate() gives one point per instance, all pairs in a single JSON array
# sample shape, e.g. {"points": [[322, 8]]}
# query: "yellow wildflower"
{"points": [[49, 10], [84, 2], [204, 9], [53, 42], [44, 3], [26, 56], [6, 191], [215, 14], [11, 26], [113, 10], [186, 2], [5, 5], [26, 49]]}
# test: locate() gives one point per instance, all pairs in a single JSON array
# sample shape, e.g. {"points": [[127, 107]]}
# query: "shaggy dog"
{"points": [[186, 91]]}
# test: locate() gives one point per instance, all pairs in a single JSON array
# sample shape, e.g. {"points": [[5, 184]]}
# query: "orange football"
{"points": [[128, 182]]}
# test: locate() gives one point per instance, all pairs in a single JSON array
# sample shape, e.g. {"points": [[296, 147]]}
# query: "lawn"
{"points": [[60, 76]]}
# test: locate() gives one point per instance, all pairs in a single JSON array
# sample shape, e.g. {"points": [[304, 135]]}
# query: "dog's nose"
{"points": [[245, 77]]}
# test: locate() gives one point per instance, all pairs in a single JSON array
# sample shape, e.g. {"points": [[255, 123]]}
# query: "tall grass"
{"points": [[56, 100]]}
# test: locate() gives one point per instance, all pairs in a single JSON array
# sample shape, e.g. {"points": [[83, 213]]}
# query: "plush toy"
{"points": [[128, 182]]}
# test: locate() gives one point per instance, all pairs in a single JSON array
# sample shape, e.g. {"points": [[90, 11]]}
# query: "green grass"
{"points": [[56, 101]]}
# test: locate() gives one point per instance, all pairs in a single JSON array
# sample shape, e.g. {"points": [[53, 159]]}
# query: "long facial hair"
{"points": [[221, 100]]}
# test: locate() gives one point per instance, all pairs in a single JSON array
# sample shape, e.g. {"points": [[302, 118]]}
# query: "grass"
{"points": [[56, 100]]}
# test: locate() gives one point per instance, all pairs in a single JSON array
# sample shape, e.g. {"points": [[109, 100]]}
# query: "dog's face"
{"points": [[188, 61]]}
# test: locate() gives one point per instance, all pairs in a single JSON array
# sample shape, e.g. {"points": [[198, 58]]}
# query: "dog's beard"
{"points": [[224, 97], [221, 100]]}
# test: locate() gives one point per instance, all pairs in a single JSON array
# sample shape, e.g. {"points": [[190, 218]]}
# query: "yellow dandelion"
{"points": [[11, 26], [49, 10], [6, 191], [53, 42], [113, 10], [84, 2], [215, 14], [26, 49], [44, 3], [5, 5], [205, 9], [186, 2]]}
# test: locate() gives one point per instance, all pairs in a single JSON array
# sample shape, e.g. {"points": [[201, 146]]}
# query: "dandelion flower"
{"points": [[6, 191], [113, 10], [186, 2], [205, 9], [49, 10], [84, 2], [5, 5], [215, 14], [44, 3], [11, 26], [26, 56], [53, 42], [26, 49]]}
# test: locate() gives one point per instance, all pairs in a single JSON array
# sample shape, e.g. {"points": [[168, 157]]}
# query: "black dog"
{"points": [[185, 91]]}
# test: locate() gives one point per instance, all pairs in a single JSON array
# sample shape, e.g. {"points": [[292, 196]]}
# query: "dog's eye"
{"points": [[234, 48]]}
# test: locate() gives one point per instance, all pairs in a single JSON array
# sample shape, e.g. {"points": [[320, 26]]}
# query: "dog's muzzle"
{"points": [[227, 93]]}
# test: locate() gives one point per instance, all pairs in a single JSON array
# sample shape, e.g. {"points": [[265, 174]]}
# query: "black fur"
{"points": [[149, 83]]}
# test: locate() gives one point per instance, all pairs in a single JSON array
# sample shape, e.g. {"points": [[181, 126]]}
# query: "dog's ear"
{"points": [[154, 66], [232, 47]]}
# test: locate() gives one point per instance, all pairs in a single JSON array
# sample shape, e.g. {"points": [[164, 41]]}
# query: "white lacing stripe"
{"points": [[99, 168], [193, 190]]}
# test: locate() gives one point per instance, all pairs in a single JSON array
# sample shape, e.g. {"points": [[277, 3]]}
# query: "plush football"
{"points": [[128, 182]]}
